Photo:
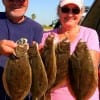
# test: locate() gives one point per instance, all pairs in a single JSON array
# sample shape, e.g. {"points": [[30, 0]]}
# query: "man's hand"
{"points": [[7, 47]]}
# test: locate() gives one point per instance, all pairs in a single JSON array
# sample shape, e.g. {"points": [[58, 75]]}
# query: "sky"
{"points": [[45, 10]]}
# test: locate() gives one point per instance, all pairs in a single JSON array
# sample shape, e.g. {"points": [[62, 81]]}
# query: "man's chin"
{"points": [[16, 15]]}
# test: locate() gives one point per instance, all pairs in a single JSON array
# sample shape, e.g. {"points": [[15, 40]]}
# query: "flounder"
{"points": [[17, 76], [62, 57], [81, 72], [49, 59], [39, 76]]}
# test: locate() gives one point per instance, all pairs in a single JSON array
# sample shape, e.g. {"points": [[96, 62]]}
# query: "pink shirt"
{"points": [[91, 38]]}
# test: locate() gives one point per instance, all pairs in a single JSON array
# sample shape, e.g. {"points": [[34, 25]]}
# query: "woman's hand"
{"points": [[7, 47]]}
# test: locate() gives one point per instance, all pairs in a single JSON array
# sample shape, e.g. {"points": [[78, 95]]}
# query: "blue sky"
{"points": [[45, 10]]}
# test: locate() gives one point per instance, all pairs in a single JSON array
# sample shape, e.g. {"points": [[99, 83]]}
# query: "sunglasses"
{"points": [[68, 10], [16, 0]]}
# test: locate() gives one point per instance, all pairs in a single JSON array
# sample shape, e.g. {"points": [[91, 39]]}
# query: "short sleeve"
{"points": [[93, 41], [45, 35]]}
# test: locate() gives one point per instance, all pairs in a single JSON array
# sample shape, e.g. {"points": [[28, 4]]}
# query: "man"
{"points": [[13, 26]]}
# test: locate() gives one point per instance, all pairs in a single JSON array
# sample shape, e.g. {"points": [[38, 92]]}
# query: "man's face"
{"points": [[15, 8]]}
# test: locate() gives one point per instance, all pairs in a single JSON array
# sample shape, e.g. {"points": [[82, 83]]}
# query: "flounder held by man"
{"points": [[39, 76], [17, 76], [81, 73]]}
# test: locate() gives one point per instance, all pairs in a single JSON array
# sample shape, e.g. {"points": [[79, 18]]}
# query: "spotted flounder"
{"points": [[49, 59], [62, 57], [39, 76], [81, 72], [17, 76]]}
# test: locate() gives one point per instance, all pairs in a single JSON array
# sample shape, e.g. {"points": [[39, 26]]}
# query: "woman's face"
{"points": [[69, 15], [15, 8]]}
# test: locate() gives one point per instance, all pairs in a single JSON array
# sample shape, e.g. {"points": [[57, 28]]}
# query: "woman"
{"points": [[70, 13]]}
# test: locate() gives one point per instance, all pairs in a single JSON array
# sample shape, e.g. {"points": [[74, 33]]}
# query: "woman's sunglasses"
{"points": [[68, 10]]}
